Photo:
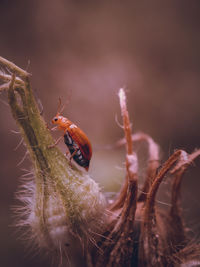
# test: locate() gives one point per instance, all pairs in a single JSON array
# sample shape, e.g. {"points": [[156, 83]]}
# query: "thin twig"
{"points": [[7, 77], [177, 235], [126, 121], [122, 234], [152, 165], [178, 171], [128, 140], [149, 207], [15, 69]]}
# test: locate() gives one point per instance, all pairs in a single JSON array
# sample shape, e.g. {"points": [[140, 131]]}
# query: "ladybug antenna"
{"points": [[60, 107]]}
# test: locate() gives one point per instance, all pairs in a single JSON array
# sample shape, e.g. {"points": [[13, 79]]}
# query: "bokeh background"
{"points": [[83, 52]]}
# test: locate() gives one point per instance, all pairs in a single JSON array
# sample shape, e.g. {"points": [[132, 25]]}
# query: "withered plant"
{"points": [[62, 205]]}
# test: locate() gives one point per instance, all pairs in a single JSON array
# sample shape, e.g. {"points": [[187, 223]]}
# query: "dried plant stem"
{"points": [[58, 201], [13, 68], [177, 234], [126, 121], [150, 236], [131, 158], [152, 165], [129, 148], [150, 202], [118, 246]]}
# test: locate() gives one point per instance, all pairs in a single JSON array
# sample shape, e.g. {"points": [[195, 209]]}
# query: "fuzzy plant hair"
{"points": [[62, 205]]}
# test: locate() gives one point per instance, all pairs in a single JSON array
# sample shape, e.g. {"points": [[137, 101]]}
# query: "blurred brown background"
{"points": [[84, 51]]}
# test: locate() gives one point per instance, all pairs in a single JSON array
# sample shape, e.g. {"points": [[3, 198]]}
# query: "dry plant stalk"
{"points": [[65, 204], [60, 203]]}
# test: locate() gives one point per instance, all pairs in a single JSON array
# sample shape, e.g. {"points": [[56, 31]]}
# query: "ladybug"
{"points": [[76, 140]]}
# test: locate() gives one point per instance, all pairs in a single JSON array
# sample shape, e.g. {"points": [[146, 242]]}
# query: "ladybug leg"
{"points": [[70, 159], [47, 125], [57, 141], [68, 156], [51, 129], [73, 154], [54, 128], [67, 153]]}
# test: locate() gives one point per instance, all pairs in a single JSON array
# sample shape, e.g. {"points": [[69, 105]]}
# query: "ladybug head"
{"points": [[57, 119], [60, 121]]}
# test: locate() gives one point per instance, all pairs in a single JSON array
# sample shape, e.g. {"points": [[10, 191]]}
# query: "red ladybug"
{"points": [[76, 140]]}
